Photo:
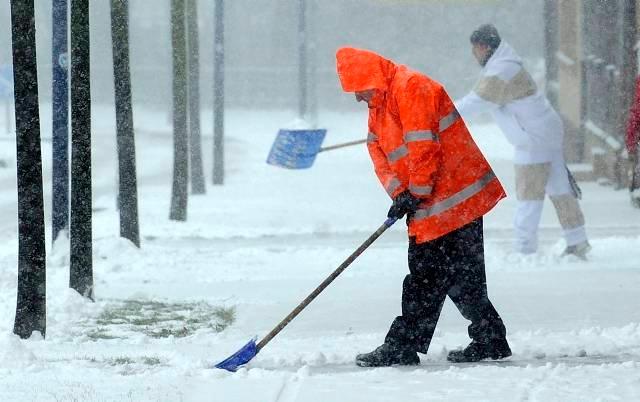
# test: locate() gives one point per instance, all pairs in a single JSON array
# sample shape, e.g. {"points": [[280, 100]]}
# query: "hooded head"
{"points": [[361, 70]]}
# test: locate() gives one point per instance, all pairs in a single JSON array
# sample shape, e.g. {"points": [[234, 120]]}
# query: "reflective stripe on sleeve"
{"points": [[393, 186], [421, 190], [456, 198], [421, 135], [398, 153], [371, 137], [448, 120]]}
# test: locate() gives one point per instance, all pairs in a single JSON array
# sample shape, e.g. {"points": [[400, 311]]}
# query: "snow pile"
{"points": [[66, 310], [298, 124], [14, 353], [58, 256]]}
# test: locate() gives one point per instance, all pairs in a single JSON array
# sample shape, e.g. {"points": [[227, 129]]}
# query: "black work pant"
{"points": [[451, 265]]}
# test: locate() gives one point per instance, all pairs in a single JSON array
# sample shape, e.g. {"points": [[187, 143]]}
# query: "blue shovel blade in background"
{"points": [[296, 149]]}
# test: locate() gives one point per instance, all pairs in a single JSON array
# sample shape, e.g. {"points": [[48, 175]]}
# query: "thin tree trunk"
{"points": [[179, 192], [302, 59], [312, 71], [195, 141], [128, 187], [81, 270], [218, 95], [60, 115], [31, 300]]}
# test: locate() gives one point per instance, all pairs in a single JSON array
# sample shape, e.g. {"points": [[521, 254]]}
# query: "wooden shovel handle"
{"points": [[346, 144], [387, 224]]}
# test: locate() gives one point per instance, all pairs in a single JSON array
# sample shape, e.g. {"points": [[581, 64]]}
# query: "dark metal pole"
{"points": [[128, 186], [81, 270], [60, 117], [218, 95], [195, 140], [31, 295]]}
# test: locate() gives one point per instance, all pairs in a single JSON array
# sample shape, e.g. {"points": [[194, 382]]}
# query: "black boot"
{"points": [[476, 351], [388, 355]]}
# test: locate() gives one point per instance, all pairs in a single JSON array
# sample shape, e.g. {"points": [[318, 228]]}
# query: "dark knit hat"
{"points": [[487, 35]]}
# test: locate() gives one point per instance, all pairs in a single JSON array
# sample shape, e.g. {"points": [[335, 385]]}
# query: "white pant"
{"points": [[533, 181]]}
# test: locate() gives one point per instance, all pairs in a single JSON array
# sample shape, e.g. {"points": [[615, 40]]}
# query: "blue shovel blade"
{"points": [[296, 149], [242, 356]]}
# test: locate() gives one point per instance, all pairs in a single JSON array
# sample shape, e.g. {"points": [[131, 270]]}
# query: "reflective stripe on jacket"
{"points": [[418, 142]]}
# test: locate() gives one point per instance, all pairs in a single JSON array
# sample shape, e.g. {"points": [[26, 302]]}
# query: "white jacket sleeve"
{"points": [[472, 105]]}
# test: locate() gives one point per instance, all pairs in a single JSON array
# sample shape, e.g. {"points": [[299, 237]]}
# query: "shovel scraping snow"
{"points": [[251, 349]]}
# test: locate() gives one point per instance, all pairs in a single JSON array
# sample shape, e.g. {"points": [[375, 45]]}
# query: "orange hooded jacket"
{"points": [[417, 141]]}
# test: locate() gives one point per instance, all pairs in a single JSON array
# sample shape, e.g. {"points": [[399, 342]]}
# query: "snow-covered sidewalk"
{"points": [[258, 245]]}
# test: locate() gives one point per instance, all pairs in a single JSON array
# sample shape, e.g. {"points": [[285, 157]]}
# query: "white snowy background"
{"points": [[264, 240]]}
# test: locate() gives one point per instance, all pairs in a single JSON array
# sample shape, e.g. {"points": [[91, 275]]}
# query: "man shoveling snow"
{"points": [[430, 166]]}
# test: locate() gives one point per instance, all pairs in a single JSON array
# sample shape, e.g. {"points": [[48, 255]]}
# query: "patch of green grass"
{"points": [[226, 317], [124, 360], [119, 361], [165, 333], [160, 319], [100, 333], [151, 361]]}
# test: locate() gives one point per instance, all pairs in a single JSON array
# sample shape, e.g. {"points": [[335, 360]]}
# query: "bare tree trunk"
{"points": [[81, 270], [218, 95], [179, 193], [60, 109], [128, 185], [31, 300], [195, 141]]}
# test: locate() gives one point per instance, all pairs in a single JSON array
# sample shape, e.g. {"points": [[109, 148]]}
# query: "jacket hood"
{"points": [[503, 54], [360, 70]]}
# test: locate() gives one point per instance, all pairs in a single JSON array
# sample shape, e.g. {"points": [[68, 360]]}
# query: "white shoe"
{"points": [[579, 250]]}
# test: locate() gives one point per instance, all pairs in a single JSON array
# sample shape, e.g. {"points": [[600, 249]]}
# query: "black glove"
{"points": [[404, 203]]}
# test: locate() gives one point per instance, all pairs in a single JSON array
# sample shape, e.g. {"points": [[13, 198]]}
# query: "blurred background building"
{"points": [[592, 59]]}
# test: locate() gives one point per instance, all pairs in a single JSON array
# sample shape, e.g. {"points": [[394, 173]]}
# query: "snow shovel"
{"points": [[297, 149], [251, 349]]}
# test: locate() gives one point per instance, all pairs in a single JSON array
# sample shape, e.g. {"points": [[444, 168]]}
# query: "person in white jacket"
{"points": [[536, 131]]}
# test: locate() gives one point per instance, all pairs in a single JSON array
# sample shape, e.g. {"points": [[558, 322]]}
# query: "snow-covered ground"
{"points": [[260, 243]]}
